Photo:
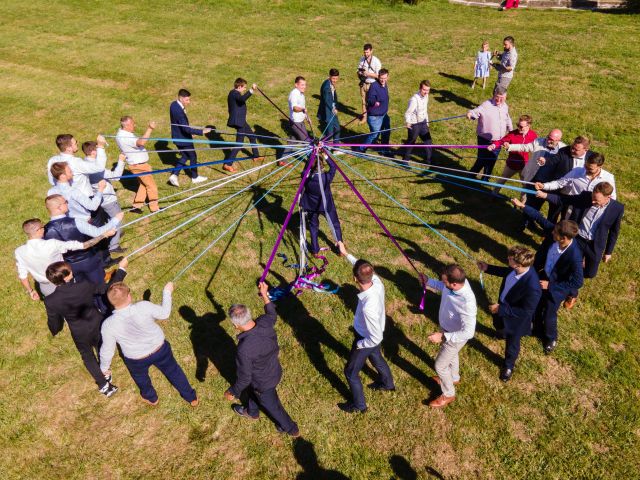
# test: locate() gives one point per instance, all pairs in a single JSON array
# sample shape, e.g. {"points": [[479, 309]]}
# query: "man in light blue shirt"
{"points": [[80, 205]]}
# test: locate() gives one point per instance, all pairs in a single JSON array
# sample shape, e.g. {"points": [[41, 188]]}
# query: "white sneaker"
{"points": [[199, 179], [173, 180], [335, 153]]}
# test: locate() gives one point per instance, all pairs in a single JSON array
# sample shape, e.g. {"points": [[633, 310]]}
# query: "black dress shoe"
{"points": [[110, 262], [550, 347], [505, 374], [136, 210], [350, 408], [380, 387], [118, 250]]}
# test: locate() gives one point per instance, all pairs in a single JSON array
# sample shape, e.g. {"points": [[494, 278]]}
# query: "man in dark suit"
{"points": [[237, 106], [180, 130], [258, 366], [599, 217], [557, 166], [327, 110], [317, 200], [519, 296], [77, 303]]}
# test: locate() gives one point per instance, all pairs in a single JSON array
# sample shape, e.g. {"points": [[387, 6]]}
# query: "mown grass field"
{"points": [[78, 66]]}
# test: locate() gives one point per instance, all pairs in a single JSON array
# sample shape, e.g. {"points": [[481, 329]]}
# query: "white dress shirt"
{"points": [[510, 281], [134, 328], [37, 254], [80, 169], [296, 99], [577, 181], [579, 161], [369, 319], [417, 111], [458, 310], [127, 143]]}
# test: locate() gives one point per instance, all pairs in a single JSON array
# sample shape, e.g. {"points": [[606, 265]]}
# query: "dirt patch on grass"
{"points": [[617, 347], [555, 373]]}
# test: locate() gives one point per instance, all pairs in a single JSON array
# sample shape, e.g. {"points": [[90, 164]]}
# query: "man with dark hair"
{"points": [[297, 114], [507, 65], [493, 124], [519, 296], [559, 265], [327, 110], [598, 216], [237, 107], [368, 68], [180, 130], [377, 112], [75, 302], [368, 325], [417, 120], [457, 319], [258, 367]]}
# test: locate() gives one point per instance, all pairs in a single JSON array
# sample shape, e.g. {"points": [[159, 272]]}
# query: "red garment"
{"points": [[517, 160], [511, 4]]}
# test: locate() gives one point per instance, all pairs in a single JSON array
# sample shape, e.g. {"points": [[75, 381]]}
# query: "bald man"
{"points": [[540, 149]]}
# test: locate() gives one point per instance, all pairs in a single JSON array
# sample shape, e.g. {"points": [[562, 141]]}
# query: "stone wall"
{"points": [[580, 4]]}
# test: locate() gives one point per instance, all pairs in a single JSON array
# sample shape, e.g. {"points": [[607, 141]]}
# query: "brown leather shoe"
{"points": [[153, 404], [284, 164], [194, 403], [229, 168], [570, 302], [258, 159], [436, 379], [441, 401]]}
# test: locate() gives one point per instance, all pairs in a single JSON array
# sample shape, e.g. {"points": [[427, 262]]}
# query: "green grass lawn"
{"points": [[78, 66]]}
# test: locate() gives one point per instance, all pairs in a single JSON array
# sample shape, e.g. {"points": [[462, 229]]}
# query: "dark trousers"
{"points": [[88, 340], [591, 261], [90, 269], [331, 129], [512, 343], [298, 132], [545, 324], [486, 160], [186, 153], [166, 363], [357, 359], [241, 133], [418, 130], [270, 403], [314, 227]]}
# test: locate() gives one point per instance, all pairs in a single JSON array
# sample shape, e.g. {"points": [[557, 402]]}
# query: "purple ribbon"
{"points": [[305, 174], [375, 145]]}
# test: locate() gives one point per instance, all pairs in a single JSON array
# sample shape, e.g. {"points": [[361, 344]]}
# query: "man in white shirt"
{"points": [[297, 114], [138, 162], [457, 319], [37, 254], [508, 60], [368, 68], [368, 323], [142, 342], [581, 179], [68, 146], [417, 120]]}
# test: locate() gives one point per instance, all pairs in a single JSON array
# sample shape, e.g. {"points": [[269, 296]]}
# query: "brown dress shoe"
{"points": [[229, 168], [441, 401], [436, 379], [194, 403], [284, 164], [153, 404], [570, 302], [258, 159]]}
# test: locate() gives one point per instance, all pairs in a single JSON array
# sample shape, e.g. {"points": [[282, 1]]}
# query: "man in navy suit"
{"points": [[327, 111], [237, 106], [519, 296], [599, 217], [317, 200], [559, 264], [180, 129]]}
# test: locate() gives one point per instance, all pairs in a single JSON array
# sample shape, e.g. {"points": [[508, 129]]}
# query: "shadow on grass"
{"points": [[402, 468], [306, 457], [210, 341]]}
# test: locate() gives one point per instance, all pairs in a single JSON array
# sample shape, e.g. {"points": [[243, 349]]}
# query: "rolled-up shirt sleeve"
{"points": [[107, 349], [85, 227]]}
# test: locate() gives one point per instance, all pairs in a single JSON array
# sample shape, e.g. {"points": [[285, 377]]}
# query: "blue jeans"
{"points": [[357, 359], [377, 123], [166, 363]]}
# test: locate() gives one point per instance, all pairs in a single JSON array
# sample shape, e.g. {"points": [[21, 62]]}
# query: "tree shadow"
{"points": [[402, 468], [447, 96], [210, 341], [307, 458]]}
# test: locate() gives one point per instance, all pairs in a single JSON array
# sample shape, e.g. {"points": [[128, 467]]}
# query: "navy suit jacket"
{"points": [[179, 117], [520, 303], [608, 227], [327, 100], [311, 199], [558, 165], [567, 274], [237, 106]]}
